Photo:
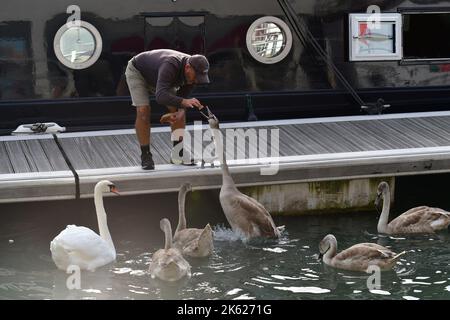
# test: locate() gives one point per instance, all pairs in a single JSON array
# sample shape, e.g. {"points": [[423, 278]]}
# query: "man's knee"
{"points": [[143, 113], [172, 109]]}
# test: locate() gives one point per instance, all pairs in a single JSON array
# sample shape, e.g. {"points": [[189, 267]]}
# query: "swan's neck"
{"points": [[384, 217], [328, 256], [101, 218], [181, 212], [227, 180], [168, 237]]}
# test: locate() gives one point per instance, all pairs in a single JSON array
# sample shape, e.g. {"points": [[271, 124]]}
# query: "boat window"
{"points": [[425, 36], [78, 47], [375, 38], [269, 40]]}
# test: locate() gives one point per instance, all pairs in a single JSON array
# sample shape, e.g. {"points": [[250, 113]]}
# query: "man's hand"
{"points": [[190, 103], [172, 117]]}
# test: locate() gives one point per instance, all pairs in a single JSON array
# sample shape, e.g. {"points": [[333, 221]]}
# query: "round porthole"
{"points": [[78, 47], [269, 40]]}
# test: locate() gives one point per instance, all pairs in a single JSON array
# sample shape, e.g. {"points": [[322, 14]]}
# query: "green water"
{"points": [[285, 269]]}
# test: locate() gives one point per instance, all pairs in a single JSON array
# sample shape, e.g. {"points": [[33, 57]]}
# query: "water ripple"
{"points": [[315, 290]]}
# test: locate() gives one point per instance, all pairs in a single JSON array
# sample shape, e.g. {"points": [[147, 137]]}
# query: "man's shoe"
{"points": [[147, 161]]}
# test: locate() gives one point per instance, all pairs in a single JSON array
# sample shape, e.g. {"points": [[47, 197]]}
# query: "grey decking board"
{"points": [[372, 135], [109, 152], [432, 134], [88, 147], [130, 149], [441, 128], [39, 158], [422, 136], [120, 156], [5, 160], [54, 155], [328, 145], [420, 139], [444, 121], [433, 130], [340, 135], [161, 147], [301, 142], [292, 141], [400, 131], [316, 144], [369, 136], [402, 127], [28, 156], [440, 123], [334, 144], [344, 130], [388, 135], [288, 143], [76, 157], [17, 157], [365, 140], [436, 123]]}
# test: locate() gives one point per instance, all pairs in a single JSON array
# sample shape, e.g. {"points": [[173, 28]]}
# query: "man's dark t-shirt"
{"points": [[164, 70]]}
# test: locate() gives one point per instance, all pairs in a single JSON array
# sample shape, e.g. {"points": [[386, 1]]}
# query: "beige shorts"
{"points": [[140, 90]]}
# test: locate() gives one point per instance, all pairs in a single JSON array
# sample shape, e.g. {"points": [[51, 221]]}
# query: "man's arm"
{"points": [[185, 91], [164, 95]]}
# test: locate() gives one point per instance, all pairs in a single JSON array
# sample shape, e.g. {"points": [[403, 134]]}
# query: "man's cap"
{"points": [[201, 67]]}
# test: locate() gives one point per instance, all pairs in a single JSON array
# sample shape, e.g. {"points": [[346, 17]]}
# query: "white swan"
{"points": [[168, 264], [358, 257], [245, 215], [416, 220], [192, 242], [82, 247]]}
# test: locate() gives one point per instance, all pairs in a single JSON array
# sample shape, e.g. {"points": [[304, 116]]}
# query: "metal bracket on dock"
{"points": [[375, 108]]}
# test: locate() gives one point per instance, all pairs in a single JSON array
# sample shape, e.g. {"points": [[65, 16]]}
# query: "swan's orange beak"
{"points": [[115, 190]]}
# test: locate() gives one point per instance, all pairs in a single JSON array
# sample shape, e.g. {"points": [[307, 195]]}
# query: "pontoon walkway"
{"points": [[42, 167]]}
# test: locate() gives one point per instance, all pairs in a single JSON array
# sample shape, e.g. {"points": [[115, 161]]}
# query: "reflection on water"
{"points": [[283, 269]]}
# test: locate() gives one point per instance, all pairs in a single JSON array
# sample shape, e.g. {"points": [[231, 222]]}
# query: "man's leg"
{"points": [[140, 99], [142, 126]]}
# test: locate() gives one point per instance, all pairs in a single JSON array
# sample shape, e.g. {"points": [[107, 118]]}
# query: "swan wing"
{"points": [[195, 242], [185, 236], [414, 210], [420, 220], [365, 252], [375, 246], [81, 241], [256, 213]]}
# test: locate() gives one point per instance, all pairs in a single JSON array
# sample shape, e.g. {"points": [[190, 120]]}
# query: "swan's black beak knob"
{"points": [[113, 189], [378, 202]]}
